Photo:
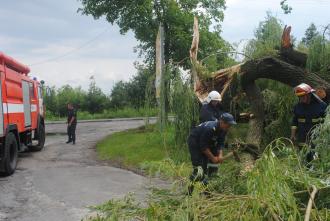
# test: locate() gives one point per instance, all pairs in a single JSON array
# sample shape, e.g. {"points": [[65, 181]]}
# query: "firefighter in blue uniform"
{"points": [[309, 112], [211, 109], [205, 140]]}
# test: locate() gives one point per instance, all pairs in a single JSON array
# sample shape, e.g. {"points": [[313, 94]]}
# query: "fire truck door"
{"points": [[1, 111], [26, 103]]}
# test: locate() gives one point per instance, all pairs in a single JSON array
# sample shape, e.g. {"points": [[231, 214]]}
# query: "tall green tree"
{"points": [[144, 16], [50, 99], [267, 38], [96, 100], [119, 96], [310, 34], [137, 86], [67, 94]]}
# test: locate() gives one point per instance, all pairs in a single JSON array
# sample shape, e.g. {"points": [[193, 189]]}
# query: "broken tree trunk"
{"points": [[286, 68]]}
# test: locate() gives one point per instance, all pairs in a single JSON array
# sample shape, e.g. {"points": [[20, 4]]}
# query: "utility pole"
{"points": [[160, 80]]}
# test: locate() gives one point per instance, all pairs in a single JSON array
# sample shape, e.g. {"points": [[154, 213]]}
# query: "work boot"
{"points": [[69, 141]]}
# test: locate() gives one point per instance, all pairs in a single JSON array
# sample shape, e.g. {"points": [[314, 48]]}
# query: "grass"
{"points": [[133, 147], [267, 192], [106, 114]]}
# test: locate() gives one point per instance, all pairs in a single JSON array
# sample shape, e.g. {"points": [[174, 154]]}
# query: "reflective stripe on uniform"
{"points": [[213, 165], [293, 127], [301, 120], [314, 120]]}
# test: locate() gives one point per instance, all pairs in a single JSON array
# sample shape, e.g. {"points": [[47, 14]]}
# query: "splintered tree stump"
{"points": [[288, 68]]}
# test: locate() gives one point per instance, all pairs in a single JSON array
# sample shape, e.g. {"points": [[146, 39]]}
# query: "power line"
{"points": [[71, 51]]}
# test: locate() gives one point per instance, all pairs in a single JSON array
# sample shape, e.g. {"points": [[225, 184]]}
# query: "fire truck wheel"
{"points": [[41, 141], [10, 153]]}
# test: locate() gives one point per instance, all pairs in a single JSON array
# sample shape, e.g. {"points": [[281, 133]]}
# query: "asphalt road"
{"points": [[62, 181]]}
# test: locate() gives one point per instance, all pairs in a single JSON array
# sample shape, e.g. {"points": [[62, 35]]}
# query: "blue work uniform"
{"points": [[206, 135], [210, 113], [306, 116]]}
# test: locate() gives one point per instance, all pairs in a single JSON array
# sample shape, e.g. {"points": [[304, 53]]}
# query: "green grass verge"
{"points": [[133, 147]]}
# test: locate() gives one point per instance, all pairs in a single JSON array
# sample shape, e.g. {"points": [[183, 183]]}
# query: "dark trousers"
{"points": [[199, 162], [72, 133]]}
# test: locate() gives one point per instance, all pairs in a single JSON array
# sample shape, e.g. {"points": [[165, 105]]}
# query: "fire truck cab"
{"points": [[22, 124]]}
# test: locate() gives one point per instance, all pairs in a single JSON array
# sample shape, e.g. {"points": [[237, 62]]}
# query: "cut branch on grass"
{"points": [[310, 204]]}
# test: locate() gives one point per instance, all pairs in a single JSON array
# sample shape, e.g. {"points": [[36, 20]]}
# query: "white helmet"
{"points": [[213, 96]]}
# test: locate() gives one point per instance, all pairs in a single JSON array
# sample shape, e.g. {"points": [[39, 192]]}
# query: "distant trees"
{"points": [[124, 94], [310, 34], [95, 100]]}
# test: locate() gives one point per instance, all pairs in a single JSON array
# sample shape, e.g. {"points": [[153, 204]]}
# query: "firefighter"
{"points": [[211, 110], [72, 124], [309, 112], [203, 141]]}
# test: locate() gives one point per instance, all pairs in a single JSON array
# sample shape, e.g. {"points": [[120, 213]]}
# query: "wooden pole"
{"points": [[160, 81]]}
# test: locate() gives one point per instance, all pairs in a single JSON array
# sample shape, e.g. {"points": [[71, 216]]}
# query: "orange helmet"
{"points": [[303, 89]]}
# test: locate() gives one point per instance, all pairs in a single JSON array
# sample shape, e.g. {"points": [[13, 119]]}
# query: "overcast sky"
{"points": [[37, 31]]}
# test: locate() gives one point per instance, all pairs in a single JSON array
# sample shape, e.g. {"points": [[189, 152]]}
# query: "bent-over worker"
{"points": [[205, 140]]}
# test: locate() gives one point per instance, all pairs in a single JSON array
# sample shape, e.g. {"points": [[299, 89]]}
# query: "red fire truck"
{"points": [[22, 124]]}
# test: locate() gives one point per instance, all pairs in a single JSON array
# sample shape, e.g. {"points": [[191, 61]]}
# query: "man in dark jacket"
{"points": [[206, 142], [309, 112], [211, 109], [72, 124]]}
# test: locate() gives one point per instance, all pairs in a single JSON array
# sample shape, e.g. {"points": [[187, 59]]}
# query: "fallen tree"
{"points": [[288, 67]]}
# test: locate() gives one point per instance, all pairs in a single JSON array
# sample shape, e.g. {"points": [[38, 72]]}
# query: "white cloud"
{"points": [[78, 72], [243, 16]]}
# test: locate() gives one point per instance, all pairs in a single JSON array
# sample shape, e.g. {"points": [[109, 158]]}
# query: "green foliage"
{"points": [[267, 192], [133, 147], [322, 144], [267, 38], [96, 100], [68, 94], [319, 56], [167, 168], [285, 7], [125, 98], [107, 114], [279, 101], [185, 108], [143, 18], [133, 92], [310, 33], [119, 95], [278, 98]]}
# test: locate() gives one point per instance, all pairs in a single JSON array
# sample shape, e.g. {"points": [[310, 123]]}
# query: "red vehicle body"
{"points": [[21, 113]]}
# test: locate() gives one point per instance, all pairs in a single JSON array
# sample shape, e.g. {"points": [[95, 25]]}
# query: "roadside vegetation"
{"points": [[106, 114], [126, 99], [274, 185]]}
